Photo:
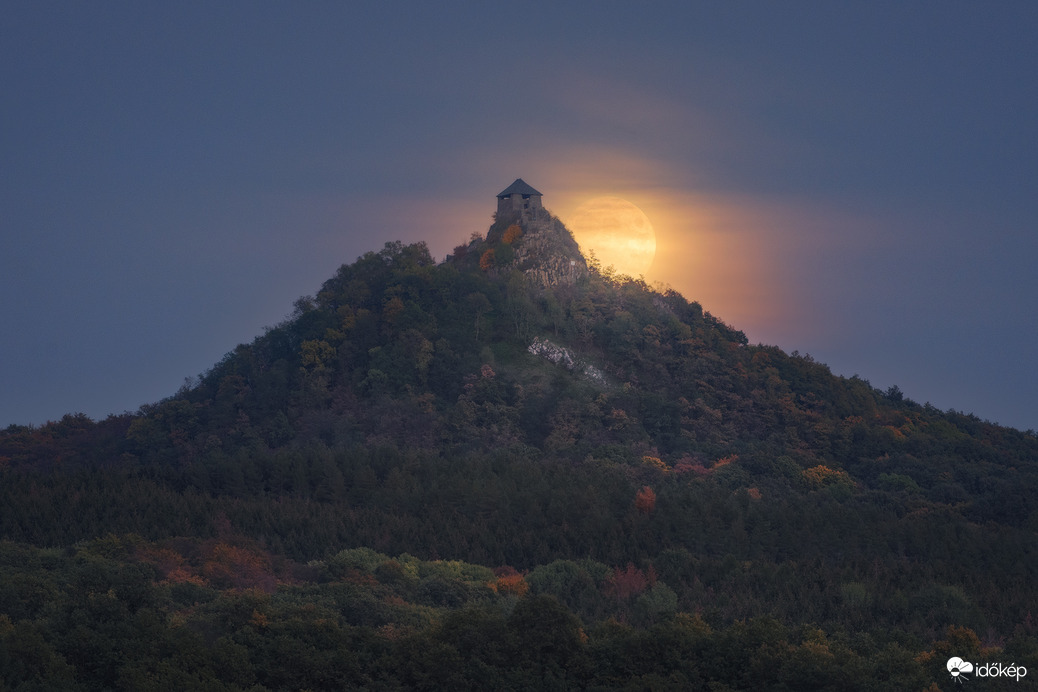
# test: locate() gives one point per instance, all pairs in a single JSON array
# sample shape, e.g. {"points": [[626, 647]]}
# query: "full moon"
{"points": [[618, 232]]}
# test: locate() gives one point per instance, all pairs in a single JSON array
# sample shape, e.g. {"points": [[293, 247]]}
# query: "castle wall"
{"points": [[517, 204]]}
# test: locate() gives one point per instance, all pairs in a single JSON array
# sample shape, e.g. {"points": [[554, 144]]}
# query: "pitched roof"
{"points": [[519, 187]]}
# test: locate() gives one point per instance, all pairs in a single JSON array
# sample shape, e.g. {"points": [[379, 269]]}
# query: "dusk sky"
{"points": [[853, 180]]}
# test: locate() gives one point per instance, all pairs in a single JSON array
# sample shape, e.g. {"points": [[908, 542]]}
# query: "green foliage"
{"points": [[239, 534]]}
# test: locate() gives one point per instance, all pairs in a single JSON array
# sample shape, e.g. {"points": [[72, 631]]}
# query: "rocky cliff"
{"points": [[537, 244], [547, 252]]}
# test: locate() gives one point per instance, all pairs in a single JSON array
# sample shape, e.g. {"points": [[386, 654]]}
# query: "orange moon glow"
{"points": [[618, 232]]}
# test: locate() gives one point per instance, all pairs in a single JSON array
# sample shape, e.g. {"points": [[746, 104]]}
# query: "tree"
{"points": [[315, 355], [479, 305], [519, 304], [512, 234], [626, 583], [645, 500], [548, 631]]}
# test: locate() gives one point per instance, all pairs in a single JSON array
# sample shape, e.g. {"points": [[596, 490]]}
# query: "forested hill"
{"points": [[609, 447], [399, 354]]}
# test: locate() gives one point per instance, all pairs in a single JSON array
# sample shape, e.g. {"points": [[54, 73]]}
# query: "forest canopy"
{"points": [[437, 474]]}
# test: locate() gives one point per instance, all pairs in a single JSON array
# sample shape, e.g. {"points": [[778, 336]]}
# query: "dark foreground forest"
{"points": [[454, 476]]}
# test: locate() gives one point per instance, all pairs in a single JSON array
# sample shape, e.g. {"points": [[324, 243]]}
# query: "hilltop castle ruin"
{"points": [[517, 200], [545, 251]]}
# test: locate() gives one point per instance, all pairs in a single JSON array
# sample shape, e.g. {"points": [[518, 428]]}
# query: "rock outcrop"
{"points": [[527, 238], [562, 356], [547, 252]]}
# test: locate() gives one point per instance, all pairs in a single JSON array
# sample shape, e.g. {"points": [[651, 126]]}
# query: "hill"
{"points": [[512, 466]]}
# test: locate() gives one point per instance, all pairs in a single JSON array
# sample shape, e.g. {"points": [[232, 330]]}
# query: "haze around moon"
{"points": [[618, 232]]}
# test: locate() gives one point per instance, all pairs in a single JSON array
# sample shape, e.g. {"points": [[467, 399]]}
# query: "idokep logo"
{"points": [[959, 668]]}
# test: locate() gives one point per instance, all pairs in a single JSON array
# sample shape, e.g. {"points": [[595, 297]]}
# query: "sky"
{"points": [[856, 181]]}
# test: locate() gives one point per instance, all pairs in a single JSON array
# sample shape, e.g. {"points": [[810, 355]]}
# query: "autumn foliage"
{"points": [[645, 500], [512, 234], [821, 475], [511, 584], [626, 583], [400, 409], [213, 563], [654, 462], [726, 460], [229, 566]]}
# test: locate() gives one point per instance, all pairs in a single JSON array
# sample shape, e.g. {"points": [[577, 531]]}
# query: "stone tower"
{"points": [[517, 199], [545, 251]]}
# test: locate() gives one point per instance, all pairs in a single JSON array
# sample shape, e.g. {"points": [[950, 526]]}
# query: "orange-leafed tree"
{"points": [[509, 581], [645, 500], [821, 476], [513, 584], [512, 234], [486, 262], [626, 583], [231, 566]]}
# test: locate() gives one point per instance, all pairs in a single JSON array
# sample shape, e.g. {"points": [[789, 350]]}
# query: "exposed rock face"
{"points": [[544, 251], [547, 252], [556, 354], [561, 356]]}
